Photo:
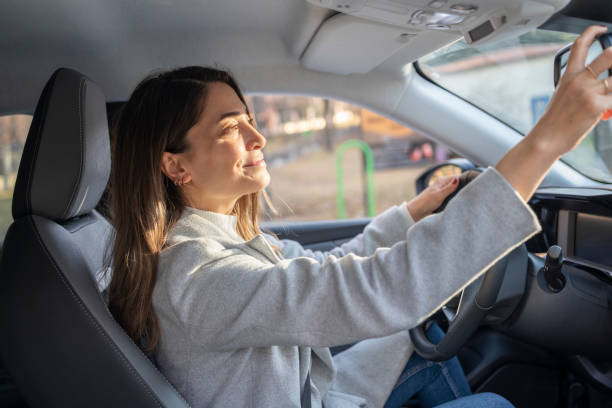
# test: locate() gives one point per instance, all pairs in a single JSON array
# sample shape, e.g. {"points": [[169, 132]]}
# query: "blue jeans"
{"points": [[441, 385]]}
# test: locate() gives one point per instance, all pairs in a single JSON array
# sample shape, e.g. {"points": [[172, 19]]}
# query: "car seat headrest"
{"points": [[65, 164]]}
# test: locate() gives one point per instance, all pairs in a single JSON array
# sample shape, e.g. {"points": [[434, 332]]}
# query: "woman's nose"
{"points": [[254, 139]]}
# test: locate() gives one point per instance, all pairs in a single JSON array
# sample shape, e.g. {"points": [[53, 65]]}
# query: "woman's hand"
{"points": [[575, 108], [580, 98], [432, 197]]}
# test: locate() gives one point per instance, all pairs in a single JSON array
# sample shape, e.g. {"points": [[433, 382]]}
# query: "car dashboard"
{"points": [[579, 220], [574, 318]]}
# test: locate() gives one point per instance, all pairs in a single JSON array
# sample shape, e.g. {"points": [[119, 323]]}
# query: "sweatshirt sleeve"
{"points": [[384, 230], [235, 301]]}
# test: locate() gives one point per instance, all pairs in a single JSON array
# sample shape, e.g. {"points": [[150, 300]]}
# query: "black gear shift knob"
{"points": [[552, 269]]}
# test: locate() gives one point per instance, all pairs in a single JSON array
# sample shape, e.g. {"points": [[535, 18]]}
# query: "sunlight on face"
{"points": [[224, 157]]}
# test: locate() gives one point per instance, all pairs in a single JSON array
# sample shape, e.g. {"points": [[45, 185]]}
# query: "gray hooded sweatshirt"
{"points": [[242, 326]]}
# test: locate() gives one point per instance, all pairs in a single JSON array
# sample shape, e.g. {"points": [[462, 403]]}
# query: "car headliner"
{"points": [[118, 42]]}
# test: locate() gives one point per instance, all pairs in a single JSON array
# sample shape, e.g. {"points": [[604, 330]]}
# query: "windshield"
{"points": [[512, 79]]}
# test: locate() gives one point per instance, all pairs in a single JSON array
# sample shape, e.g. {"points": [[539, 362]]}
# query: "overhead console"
{"points": [[367, 32]]}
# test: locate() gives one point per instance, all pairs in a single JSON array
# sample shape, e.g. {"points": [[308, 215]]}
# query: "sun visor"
{"points": [[345, 45], [367, 32]]}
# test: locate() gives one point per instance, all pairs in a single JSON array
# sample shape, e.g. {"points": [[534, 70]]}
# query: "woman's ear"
{"points": [[172, 168]]}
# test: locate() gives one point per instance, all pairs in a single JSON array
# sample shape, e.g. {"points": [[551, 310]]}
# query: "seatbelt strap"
{"points": [[305, 402]]}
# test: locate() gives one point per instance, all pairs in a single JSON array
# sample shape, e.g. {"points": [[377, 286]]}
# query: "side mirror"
{"points": [[604, 41], [450, 167]]}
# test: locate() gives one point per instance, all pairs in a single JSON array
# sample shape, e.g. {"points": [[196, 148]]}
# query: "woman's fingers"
{"points": [[580, 49], [446, 186], [443, 182], [601, 86], [432, 197], [451, 186], [602, 63], [606, 85], [604, 102]]}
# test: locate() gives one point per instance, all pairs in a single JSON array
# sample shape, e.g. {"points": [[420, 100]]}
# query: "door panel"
{"points": [[318, 235]]}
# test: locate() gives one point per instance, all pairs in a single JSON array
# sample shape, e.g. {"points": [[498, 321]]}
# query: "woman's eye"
{"points": [[233, 128]]}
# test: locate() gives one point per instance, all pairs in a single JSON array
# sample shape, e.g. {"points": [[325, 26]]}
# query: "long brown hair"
{"points": [[144, 203]]}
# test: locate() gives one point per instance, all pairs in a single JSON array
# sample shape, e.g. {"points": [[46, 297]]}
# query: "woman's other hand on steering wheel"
{"points": [[432, 197]]}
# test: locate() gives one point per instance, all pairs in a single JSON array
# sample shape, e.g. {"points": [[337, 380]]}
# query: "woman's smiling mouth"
{"points": [[258, 163]]}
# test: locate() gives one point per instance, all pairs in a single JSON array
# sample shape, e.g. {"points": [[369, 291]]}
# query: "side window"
{"points": [[13, 132], [329, 159]]}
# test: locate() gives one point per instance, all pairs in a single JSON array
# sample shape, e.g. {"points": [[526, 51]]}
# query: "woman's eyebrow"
{"points": [[229, 114]]}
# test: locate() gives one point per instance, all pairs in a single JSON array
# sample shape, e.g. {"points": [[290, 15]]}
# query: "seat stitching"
{"points": [[163, 377], [91, 319], [81, 149], [38, 139], [145, 356]]}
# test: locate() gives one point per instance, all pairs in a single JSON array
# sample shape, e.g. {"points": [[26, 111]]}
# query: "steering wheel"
{"points": [[476, 300]]}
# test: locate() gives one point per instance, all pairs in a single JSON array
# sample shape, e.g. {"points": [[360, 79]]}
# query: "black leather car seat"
{"points": [[58, 339]]}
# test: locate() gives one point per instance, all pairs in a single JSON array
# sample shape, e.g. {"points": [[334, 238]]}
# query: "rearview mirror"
{"points": [[603, 42]]}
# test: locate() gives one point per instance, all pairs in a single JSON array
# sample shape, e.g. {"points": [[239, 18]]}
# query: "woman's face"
{"points": [[224, 158]]}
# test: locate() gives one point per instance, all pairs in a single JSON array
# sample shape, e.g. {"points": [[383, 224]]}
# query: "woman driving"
{"points": [[236, 317]]}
